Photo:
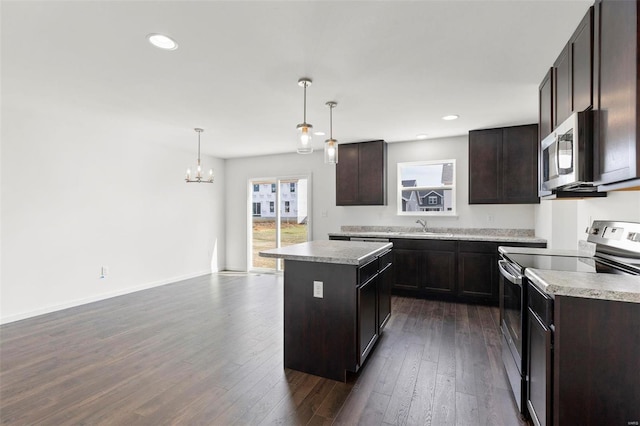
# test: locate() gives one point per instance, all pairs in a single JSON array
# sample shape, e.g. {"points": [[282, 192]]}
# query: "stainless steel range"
{"points": [[617, 251]]}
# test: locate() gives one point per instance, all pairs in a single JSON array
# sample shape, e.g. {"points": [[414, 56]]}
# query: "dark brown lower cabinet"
{"points": [[465, 271], [478, 271], [583, 364], [424, 267], [596, 362]]}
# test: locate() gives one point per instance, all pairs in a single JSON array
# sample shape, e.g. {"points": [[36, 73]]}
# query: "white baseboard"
{"points": [[96, 298]]}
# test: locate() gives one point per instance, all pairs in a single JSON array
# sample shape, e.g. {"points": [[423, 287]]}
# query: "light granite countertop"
{"points": [[622, 288], [544, 251], [461, 234], [323, 251]]}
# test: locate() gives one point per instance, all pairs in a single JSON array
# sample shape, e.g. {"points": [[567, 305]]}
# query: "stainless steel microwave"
{"points": [[566, 155]]}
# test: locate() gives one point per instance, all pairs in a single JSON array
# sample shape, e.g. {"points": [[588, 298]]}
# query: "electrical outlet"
{"points": [[318, 289]]}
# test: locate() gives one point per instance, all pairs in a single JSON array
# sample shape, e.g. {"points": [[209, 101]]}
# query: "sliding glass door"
{"points": [[279, 209]]}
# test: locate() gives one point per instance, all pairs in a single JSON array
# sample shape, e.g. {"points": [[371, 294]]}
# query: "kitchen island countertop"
{"points": [[329, 251], [621, 288]]}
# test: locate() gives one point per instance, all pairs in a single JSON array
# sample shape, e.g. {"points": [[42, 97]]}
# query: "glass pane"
{"points": [[438, 174], [263, 224], [293, 212]]}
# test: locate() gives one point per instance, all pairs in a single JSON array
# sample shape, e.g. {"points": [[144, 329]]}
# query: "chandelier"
{"points": [[198, 177]]}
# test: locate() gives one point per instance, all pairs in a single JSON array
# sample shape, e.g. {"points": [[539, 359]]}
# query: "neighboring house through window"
{"points": [[292, 187], [256, 187], [273, 187], [271, 206], [427, 188], [287, 206]]}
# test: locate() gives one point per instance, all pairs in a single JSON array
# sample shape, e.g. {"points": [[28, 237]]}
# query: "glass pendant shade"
{"points": [[331, 151], [305, 137], [304, 129], [331, 145]]}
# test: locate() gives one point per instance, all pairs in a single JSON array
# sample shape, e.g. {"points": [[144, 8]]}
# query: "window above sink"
{"points": [[427, 188]]}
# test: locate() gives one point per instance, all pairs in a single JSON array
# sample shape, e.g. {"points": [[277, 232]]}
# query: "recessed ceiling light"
{"points": [[162, 41], [421, 136], [319, 133], [450, 117]]}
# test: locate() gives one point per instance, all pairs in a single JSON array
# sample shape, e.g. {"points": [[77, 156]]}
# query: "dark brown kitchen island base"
{"points": [[330, 335], [319, 333]]}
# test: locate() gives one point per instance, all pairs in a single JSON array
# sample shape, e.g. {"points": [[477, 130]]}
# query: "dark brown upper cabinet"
{"points": [[573, 73], [616, 95], [503, 165], [545, 111], [361, 174]]}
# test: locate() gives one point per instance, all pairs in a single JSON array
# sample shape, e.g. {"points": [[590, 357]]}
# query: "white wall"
{"points": [[327, 217], [563, 222], [80, 191]]}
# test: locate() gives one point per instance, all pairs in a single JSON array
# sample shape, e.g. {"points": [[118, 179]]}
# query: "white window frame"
{"points": [[452, 187]]}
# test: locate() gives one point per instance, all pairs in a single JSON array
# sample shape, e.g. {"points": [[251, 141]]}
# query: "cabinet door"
{"points": [[385, 282], [439, 272], [347, 175], [367, 318], [485, 164], [520, 165], [539, 368], [545, 111], [581, 46], [407, 267], [477, 276], [617, 153], [562, 80], [372, 176]]}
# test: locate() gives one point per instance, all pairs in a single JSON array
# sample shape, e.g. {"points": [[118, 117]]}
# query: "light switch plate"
{"points": [[318, 289]]}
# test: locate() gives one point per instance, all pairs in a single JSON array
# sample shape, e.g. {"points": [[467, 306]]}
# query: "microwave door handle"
{"points": [[502, 265], [558, 168]]}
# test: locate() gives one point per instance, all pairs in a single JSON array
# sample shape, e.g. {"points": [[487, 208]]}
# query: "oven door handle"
{"points": [[503, 265]]}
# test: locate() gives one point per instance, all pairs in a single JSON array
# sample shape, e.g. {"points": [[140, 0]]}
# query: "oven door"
{"points": [[512, 302], [511, 305]]}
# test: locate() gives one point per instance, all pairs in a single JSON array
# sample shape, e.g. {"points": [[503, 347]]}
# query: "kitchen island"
{"points": [[337, 299]]}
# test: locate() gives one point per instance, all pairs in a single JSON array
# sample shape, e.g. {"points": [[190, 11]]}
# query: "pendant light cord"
{"points": [[304, 118], [331, 122]]}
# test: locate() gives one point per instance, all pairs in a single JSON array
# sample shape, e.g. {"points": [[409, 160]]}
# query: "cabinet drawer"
{"points": [[368, 271], [385, 259], [479, 247], [541, 304], [417, 244]]}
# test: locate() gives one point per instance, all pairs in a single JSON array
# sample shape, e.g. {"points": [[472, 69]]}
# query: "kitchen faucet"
{"points": [[423, 223]]}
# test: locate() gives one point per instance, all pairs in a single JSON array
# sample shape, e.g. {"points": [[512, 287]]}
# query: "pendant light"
{"points": [[304, 129], [331, 145], [198, 177]]}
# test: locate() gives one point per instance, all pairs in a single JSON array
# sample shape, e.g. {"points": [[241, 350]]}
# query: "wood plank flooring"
{"points": [[209, 351]]}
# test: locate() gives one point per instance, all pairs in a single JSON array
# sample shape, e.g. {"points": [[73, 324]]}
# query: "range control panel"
{"points": [[616, 237]]}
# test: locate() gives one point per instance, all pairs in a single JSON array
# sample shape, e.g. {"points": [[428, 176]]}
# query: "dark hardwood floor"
{"points": [[209, 351]]}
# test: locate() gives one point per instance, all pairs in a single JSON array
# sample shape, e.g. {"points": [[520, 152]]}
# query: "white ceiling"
{"points": [[394, 67]]}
